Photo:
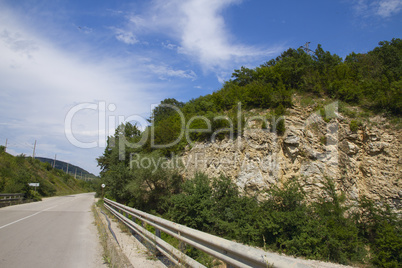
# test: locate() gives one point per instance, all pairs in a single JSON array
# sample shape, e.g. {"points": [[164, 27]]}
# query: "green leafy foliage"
{"points": [[17, 171], [382, 230], [371, 80], [355, 125], [326, 229]]}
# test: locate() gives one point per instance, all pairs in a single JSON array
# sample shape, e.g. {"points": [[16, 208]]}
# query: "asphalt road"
{"points": [[56, 232]]}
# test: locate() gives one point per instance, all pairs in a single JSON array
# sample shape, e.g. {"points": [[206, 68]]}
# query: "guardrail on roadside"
{"points": [[10, 199], [231, 253]]}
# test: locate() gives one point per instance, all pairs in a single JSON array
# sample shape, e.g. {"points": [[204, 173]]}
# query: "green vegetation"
{"points": [[139, 167], [326, 229], [371, 81], [17, 171], [112, 253], [287, 221], [355, 125]]}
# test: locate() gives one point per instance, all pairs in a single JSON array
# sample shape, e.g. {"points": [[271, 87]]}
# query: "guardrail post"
{"points": [[142, 225], [182, 245], [158, 233], [133, 219]]}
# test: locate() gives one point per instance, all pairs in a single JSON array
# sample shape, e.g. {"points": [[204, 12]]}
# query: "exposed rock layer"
{"points": [[366, 162]]}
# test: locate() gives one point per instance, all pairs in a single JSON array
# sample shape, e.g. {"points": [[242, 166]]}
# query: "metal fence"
{"points": [[10, 199], [231, 253]]}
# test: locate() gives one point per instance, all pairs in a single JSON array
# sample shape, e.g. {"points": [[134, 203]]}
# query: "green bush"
{"points": [[387, 246], [33, 195], [380, 228], [280, 127], [355, 125]]}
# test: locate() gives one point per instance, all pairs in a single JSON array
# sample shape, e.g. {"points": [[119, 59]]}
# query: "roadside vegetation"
{"points": [[366, 234], [112, 253], [287, 222], [17, 171]]}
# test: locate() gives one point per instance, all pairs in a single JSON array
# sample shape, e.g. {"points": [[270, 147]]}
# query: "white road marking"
{"points": [[11, 223]]}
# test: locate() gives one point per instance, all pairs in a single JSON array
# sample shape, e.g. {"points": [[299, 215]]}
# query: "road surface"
{"points": [[56, 232]]}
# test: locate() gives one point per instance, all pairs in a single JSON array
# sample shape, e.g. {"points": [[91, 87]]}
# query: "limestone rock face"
{"points": [[366, 162]]}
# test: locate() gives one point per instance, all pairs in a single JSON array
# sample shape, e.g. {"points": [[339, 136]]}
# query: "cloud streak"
{"points": [[380, 8], [199, 27], [165, 72], [125, 36], [389, 8]]}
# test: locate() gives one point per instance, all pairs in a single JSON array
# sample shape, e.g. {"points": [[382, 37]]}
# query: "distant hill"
{"points": [[17, 171], [73, 170]]}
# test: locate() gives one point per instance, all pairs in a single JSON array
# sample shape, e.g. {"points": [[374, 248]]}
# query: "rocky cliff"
{"points": [[316, 144]]}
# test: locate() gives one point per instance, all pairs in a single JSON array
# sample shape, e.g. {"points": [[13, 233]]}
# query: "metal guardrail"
{"points": [[9, 199], [231, 253]]}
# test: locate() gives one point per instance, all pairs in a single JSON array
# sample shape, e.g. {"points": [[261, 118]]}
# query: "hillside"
{"points": [[17, 171], [73, 170], [300, 154], [370, 81]]}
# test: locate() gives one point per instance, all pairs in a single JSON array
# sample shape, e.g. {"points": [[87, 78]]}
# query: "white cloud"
{"points": [[164, 71], [17, 43], [200, 29], [379, 8], [360, 6], [387, 8], [126, 37], [169, 45]]}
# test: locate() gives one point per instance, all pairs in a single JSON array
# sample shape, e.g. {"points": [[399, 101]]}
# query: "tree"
{"points": [[293, 65], [325, 61], [125, 134], [390, 54], [165, 109], [243, 76]]}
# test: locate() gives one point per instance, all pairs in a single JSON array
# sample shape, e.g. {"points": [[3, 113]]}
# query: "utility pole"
{"points": [[5, 148], [75, 176], [306, 48], [33, 154], [54, 162], [67, 168]]}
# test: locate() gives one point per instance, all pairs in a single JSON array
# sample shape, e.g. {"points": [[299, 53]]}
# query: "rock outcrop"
{"points": [[313, 147]]}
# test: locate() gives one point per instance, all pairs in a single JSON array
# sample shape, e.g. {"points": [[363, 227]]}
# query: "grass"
{"points": [[17, 171], [112, 254]]}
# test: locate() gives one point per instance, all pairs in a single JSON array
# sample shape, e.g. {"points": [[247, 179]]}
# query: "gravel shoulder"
{"points": [[137, 254]]}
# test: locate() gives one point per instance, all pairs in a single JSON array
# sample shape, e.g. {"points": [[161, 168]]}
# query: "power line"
{"points": [[15, 144]]}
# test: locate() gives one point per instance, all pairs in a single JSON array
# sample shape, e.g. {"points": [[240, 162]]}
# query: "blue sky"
{"points": [[70, 70]]}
